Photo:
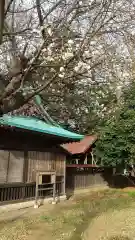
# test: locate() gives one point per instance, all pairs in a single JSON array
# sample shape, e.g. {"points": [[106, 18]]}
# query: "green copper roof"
{"points": [[34, 124]]}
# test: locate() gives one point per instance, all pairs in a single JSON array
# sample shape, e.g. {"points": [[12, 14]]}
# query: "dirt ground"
{"points": [[105, 215], [112, 224], [10, 216]]}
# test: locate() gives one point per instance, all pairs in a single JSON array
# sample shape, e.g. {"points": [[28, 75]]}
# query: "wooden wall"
{"points": [[20, 166], [11, 166], [84, 176], [44, 161]]}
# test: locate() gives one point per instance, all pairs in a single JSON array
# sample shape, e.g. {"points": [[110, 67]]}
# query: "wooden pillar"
{"points": [[54, 188], [76, 161], [92, 157], [86, 160], [8, 167], [25, 167], [36, 193], [64, 178], [114, 170]]}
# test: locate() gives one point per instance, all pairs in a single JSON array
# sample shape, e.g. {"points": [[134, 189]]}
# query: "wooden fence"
{"points": [[77, 176], [84, 176], [25, 191]]}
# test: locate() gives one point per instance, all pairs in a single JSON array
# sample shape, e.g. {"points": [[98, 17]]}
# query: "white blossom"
{"points": [[76, 68], [24, 93], [49, 51], [19, 37], [70, 49], [81, 66], [89, 73], [49, 58], [92, 43], [90, 2], [52, 70], [61, 75], [67, 55], [49, 30], [31, 60], [36, 31], [80, 3], [51, 45], [43, 63], [96, 52], [62, 69], [86, 53], [80, 63], [44, 50], [70, 42], [77, 46], [87, 67]]}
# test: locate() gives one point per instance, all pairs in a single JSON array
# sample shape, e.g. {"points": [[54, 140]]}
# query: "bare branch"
{"points": [[40, 17], [8, 6], [16, 33], [2, 9]]}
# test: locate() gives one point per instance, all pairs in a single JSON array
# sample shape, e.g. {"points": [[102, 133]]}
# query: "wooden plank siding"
{"points": [[4, 155], [11, 166], [15, 168], [18, 174], [20, 166], [22, 153], [44, 161], [83, 177]]}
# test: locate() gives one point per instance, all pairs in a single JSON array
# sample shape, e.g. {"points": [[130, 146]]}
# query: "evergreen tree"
{"points": [[116, 144]]}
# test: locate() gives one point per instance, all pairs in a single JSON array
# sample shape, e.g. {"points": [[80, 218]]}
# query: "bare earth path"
{"points": [[103, 215], [116, 223]]}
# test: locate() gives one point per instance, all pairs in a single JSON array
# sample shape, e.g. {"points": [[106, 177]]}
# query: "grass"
{"points": [[69, 220], [131, 194], [119, 238]]}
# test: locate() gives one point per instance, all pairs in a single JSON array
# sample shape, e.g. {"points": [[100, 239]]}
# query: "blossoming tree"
{"points": [[46, 44]]}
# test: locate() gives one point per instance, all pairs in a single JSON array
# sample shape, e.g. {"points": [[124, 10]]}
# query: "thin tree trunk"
{"points": [[2, 9]]}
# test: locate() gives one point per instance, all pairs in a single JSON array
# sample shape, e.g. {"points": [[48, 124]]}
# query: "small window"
{"points": [[46, 178]]}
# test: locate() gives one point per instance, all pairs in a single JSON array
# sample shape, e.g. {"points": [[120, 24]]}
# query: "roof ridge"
{"points": [[34, 108], [45, 114], [42, 127], [23, 116]]}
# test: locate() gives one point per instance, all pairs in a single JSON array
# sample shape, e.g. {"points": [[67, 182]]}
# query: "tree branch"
{"points": [[2, 16], [8, 7]]}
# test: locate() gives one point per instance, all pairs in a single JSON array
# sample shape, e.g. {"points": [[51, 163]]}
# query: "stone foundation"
{"points": [[27, 204]]}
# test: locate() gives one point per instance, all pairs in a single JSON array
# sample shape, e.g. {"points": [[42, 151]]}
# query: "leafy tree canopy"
{"points": [[116, 145]]}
